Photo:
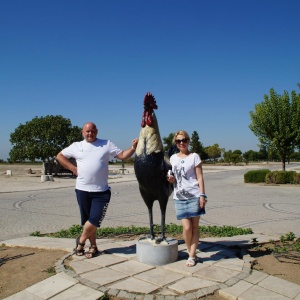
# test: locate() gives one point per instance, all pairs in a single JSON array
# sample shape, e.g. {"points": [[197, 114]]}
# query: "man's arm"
{"points": [[125, 154], [66, 163]]}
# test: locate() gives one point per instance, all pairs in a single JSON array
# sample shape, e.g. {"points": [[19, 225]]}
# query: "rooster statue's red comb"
{"points": [[149, 106]]}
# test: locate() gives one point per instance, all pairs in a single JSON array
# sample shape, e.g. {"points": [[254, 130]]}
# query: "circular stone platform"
{"points": [[149, 252]]}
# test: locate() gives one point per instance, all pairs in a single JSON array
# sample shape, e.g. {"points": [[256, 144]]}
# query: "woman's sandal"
{"points": [[91, 254], [191, 261], [79, 252]]}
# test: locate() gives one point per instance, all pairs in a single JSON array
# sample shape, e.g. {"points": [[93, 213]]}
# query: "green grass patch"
{"points": [[170, 229]]}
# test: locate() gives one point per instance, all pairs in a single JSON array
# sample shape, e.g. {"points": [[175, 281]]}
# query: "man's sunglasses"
{"points": [[181, 141]]}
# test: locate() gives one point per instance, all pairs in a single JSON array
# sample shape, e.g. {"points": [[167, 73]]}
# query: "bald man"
{"points": [[92, 190]]}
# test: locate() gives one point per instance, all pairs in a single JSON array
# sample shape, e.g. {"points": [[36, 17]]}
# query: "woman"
{"points": [[189, 192]]}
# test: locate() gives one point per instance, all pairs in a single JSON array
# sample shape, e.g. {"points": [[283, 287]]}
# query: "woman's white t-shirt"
{"points": [[186, 185], [92, 160]]}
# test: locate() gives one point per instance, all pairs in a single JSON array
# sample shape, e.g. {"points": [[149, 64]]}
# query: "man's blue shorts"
{"points": [[93, 206]]}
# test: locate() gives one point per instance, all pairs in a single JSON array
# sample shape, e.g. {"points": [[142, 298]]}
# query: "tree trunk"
{"points": [[283, 164]]}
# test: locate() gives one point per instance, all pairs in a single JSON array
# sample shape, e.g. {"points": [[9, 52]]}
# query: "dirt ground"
{"points": [[22, 267]]}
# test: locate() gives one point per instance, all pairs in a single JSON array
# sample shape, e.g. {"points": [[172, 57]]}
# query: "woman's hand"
{"points": [[202, 202], [171, 178]]}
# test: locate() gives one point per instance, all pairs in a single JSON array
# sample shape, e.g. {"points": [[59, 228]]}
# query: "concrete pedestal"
{"points": [[157, 254]]}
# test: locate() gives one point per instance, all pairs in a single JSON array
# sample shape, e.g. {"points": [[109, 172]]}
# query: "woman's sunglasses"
{"points": [[184, 141]]}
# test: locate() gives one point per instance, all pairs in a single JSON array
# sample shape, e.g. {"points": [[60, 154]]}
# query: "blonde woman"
{"points": [[189, 192]]}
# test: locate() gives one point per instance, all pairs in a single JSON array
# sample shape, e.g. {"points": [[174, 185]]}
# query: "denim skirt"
{"points": [[189, 208]]}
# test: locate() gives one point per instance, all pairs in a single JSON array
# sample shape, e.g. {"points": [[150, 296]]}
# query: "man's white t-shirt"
{"points": [[92, 160], [186, 185]]}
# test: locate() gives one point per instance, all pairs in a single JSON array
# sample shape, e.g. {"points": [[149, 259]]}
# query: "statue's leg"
{"points": [[163, 225], [163, 208], [151, 223]]}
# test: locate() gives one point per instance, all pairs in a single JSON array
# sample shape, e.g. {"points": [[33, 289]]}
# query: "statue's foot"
{"points": [[161, 239], [148, 237]]}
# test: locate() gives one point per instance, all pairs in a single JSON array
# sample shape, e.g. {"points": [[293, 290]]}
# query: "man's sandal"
{"points": [[191, 261], [93, 253], [79, 252]]}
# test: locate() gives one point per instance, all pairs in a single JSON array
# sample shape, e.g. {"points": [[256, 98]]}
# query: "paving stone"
{"points": [[113, 292], [167, 292], [209, 257], [167, 297], [135, 285], [256, 277], [159, 276], [202, 246], [123, 251], [190, 296], [24, 295], [216, 274], [106, 260], [65, 275], [124, 295], [79, 291], [131, 267], [222, 251], [259, 293], [231, 263], [297, 297], [180, 267], [109, 246], [51, 286], [280, 286], [83, 266], [190, 284], [104, 276], [233, 292]]}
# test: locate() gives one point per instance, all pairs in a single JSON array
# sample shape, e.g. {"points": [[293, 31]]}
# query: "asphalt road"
{"points": [[272, 210]]}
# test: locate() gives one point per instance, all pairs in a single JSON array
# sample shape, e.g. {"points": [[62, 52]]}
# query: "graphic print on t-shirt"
{"points": [[180, 175]]}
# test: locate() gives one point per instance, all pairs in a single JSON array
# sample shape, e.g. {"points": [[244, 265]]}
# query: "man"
{"points": [[92, 190]]}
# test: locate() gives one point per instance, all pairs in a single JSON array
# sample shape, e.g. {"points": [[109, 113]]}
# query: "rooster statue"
{"points": [[151, 166]]}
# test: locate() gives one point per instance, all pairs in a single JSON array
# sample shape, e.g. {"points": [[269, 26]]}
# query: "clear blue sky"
{"points": [[206, 62]]}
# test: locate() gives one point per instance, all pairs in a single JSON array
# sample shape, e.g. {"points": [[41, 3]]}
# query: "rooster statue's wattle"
{"points": [[151, 166]]}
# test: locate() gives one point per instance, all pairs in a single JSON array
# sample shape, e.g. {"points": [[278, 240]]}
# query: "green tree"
{"points": [[42, 138], [197, 146], [213, 152], [276, 123], [250, 156], [228, 156], [168, 141], [236, 156]]}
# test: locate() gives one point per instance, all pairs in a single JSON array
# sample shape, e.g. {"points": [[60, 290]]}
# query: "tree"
{"points": [[228, 156], [42, 138], [250, 155], [236, 156], [276, 122], [213, 152], [168, 141], [197, 146]]}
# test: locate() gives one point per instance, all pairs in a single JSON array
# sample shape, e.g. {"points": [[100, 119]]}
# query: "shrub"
{"points": [[281, 177], [297, 178], [256, 176]]}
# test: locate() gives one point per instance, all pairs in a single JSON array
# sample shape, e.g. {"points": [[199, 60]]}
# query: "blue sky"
{"points": [[206, 62]]}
